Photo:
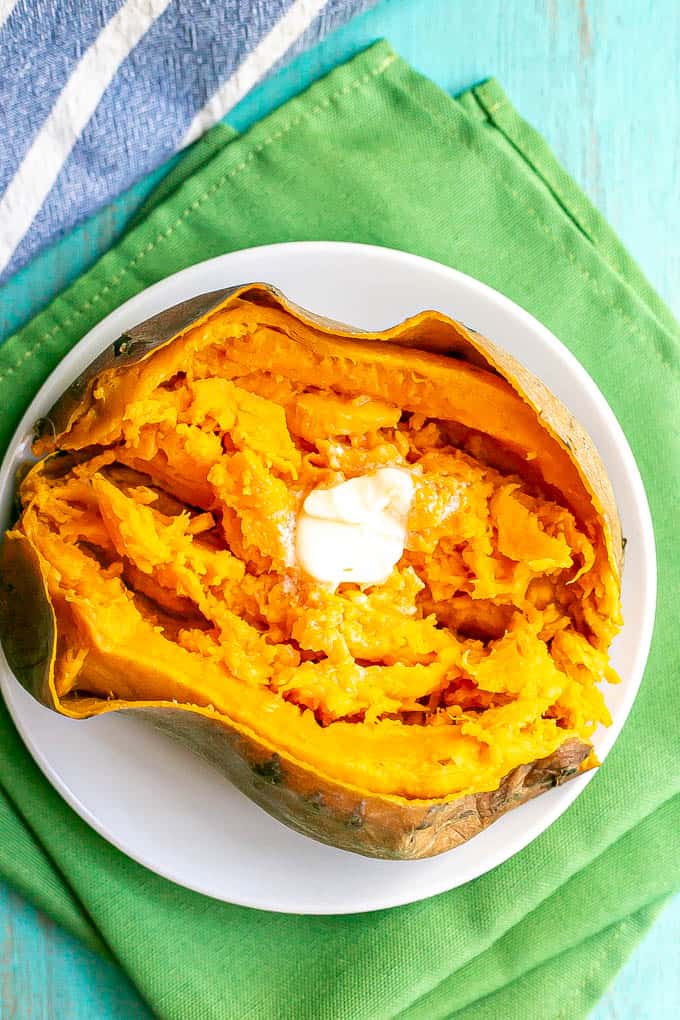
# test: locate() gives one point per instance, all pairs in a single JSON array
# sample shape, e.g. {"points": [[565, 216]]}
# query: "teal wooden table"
{"points": [[599, 79]]}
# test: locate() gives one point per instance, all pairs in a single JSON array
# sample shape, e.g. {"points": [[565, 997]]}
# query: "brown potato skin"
{"points": [[429, 331], [371, 825], [328, 811]]}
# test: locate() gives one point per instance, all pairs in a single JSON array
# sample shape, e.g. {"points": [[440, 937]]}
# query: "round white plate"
{"points": [[171, 812]]}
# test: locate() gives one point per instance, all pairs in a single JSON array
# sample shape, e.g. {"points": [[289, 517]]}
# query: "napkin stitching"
{"points": [[524, 151], [275, 136], [634, 327], [352, 86], [583, 272], [356, 84]]}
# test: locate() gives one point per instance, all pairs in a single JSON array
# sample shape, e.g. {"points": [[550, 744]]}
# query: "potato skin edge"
{"points": [[363, 823], [370, 825], [329, 812], [442, 335], [28, 625]]}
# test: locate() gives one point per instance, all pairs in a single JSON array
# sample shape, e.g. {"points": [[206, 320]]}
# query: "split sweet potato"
{"points": [[153, 568]]}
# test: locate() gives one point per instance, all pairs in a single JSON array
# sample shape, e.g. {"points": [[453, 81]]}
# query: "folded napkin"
{"points": [[376, 153], [102, 91]]}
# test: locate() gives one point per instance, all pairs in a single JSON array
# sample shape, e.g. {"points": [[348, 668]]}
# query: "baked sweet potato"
{"points": [[154, 567]]}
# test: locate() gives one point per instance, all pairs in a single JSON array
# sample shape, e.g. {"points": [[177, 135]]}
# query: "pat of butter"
{"points": [[355, 531]]}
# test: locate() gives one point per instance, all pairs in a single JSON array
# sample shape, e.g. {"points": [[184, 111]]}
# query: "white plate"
{"points": [[171, 812]]}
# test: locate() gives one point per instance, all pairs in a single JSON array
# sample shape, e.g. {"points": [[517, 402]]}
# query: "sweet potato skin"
{"points": [[318, 806], [390, 829], [28, 625], [330, 812], [428, 331]]}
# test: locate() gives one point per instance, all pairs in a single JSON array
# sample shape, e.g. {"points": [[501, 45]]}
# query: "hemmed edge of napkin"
{"points": [[538, 155], [375, 52]]}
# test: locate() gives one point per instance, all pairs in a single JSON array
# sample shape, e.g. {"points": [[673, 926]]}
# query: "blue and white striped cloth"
{"points": [[96, 93]]}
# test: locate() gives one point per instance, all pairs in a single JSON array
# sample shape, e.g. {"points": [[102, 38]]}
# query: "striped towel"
{"points": [[96, 93]]}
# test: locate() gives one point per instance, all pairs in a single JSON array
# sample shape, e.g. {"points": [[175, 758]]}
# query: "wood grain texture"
{"points": [[45, 974], [599, 79]]}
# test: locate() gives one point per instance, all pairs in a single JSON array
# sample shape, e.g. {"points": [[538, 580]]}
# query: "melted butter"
{"points": [[355, 531]]}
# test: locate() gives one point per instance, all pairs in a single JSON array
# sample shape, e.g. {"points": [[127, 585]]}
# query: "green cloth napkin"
{"points": [[377, 153]]}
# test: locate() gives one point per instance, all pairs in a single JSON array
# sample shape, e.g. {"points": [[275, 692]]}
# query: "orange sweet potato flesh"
{"points": [[153, 568]]}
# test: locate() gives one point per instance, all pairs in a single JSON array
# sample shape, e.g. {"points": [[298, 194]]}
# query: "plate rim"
{"points": [[523, 319]]}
